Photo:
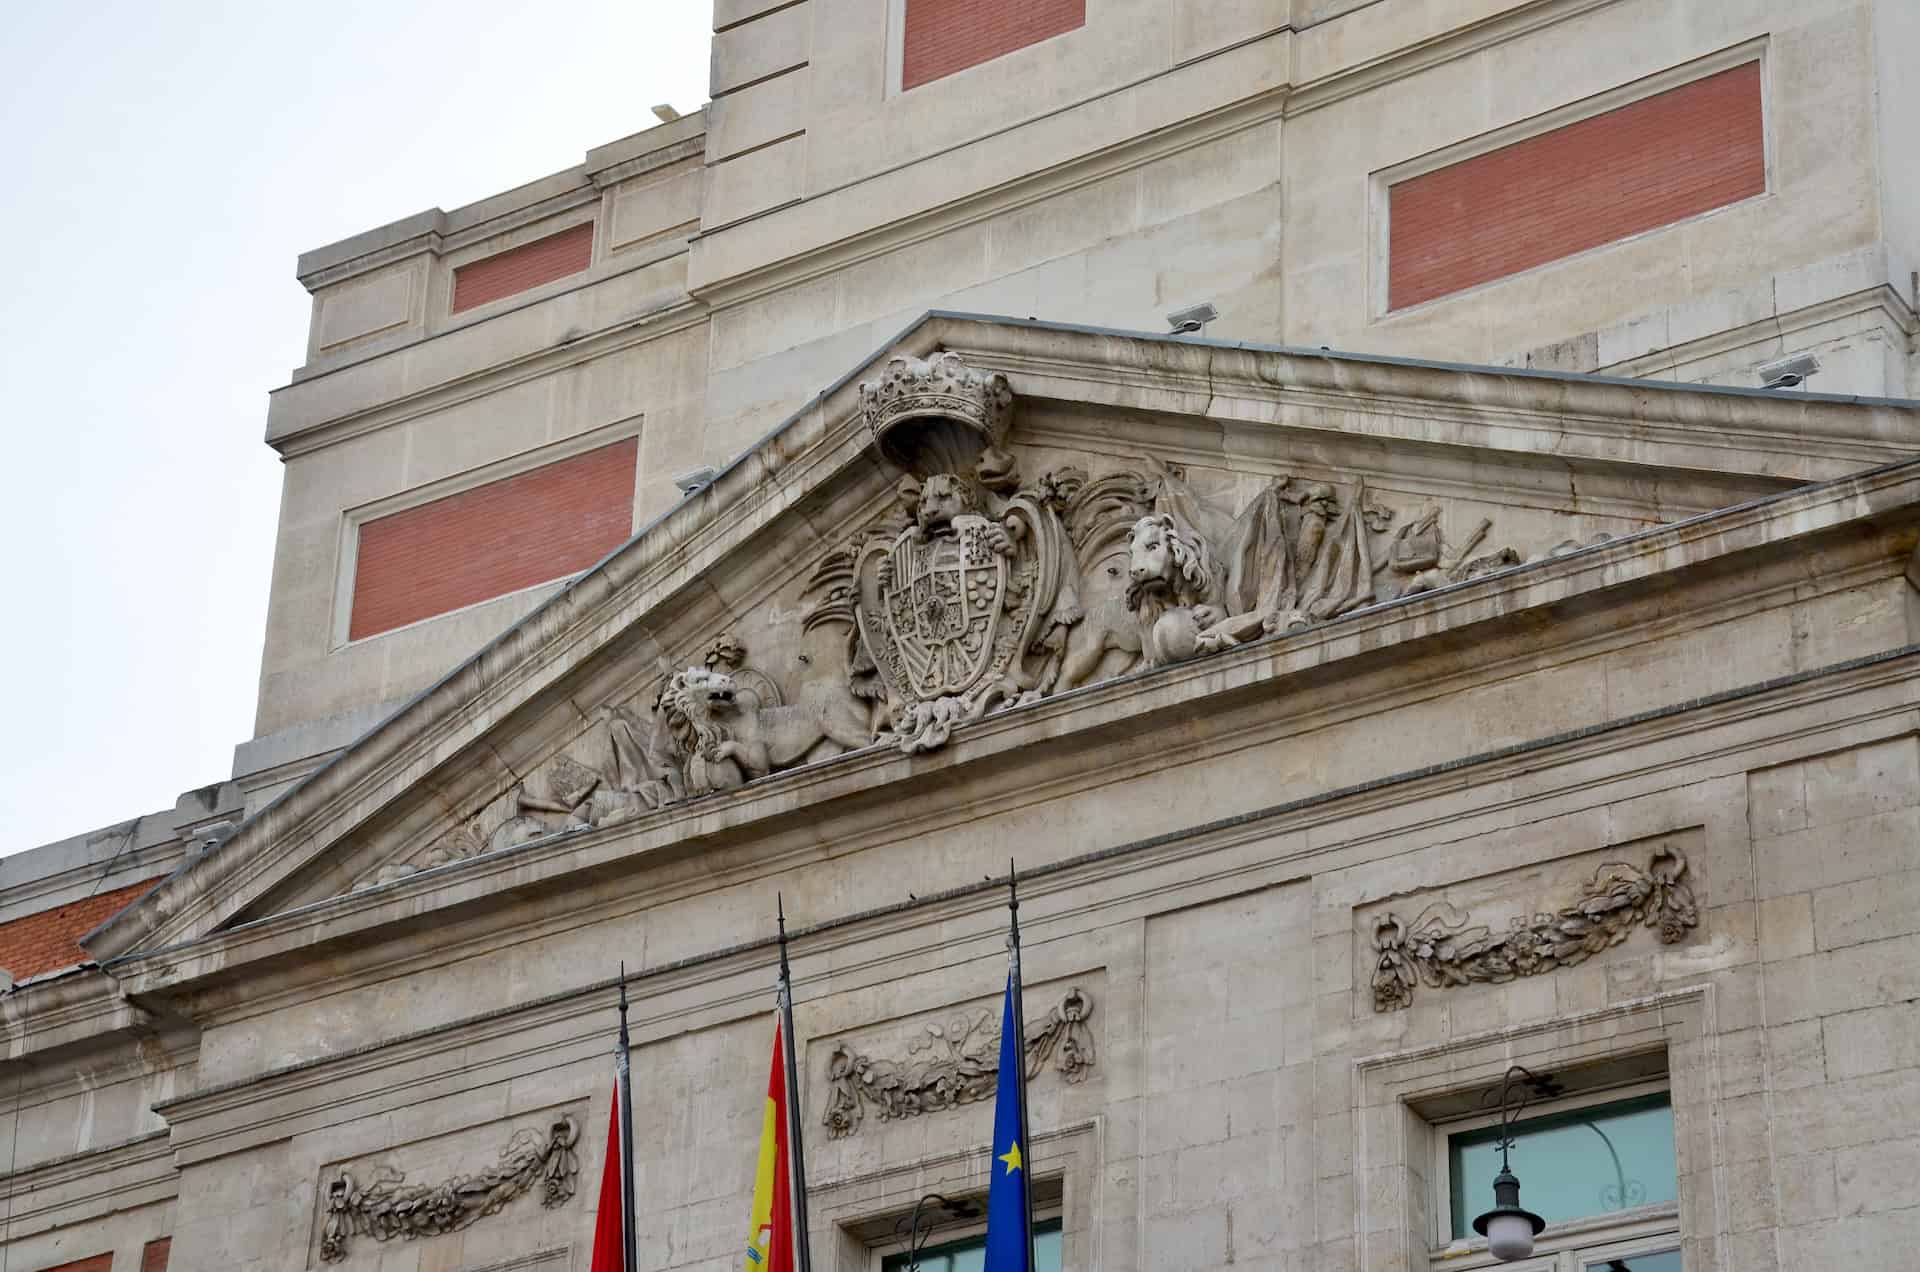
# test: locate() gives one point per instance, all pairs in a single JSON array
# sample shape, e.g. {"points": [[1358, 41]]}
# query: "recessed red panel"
{"points": [[523, 268], [1651, 163], [498, 538], [944, 36]]}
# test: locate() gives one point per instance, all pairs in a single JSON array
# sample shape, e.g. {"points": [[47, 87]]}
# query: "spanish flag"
{"points": [[770, 1237]]}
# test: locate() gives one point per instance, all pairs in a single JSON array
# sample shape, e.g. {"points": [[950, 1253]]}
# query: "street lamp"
{"points": [[956, 1211], [1510, 1230]]}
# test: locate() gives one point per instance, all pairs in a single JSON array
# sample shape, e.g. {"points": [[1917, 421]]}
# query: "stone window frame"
{"points": [[1398, 1191], [1045, 1206], [1381, 181], [1648, 1228], [856, 1214]]}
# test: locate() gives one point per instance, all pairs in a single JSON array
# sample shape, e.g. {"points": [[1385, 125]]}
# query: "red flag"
{"points": [[770, 1232], [609, 1254]]}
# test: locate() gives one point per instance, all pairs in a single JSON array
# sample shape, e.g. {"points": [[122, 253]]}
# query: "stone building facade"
{"points": [[1447, 656]]}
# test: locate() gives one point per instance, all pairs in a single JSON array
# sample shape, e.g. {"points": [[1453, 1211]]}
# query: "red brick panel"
{"points": [[944, 36], [98, 1263], [523, 268], [50, 939], [493, 539], [154, 1257], [1648, 164]]}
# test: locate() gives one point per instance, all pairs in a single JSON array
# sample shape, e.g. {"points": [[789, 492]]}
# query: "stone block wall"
{"points": [[1213, 890]]}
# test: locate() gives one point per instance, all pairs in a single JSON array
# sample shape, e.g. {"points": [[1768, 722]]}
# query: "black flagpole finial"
{"points": [[623, 986]]}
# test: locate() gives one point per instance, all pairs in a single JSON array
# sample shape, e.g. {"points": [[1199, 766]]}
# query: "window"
{"points": [[1659, 1261], [970, 1253], [1600, 1169], [1572, 1165]]}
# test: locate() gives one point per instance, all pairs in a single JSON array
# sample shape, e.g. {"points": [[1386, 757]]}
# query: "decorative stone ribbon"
{"points": [[1438, 947]]}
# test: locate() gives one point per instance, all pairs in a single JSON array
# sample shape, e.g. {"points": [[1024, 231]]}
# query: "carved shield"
{"points": [[941, 604]]}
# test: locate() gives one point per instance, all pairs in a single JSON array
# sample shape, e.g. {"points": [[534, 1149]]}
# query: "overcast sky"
{"points": [[162, 166]]}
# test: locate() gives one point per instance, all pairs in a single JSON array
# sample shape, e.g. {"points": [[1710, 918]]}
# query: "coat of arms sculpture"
{"points": [[981, 589], [952, 606]]}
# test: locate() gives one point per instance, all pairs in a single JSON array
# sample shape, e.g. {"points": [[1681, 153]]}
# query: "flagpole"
{"points": [[803, 1247], [1020, 1049], [629, 1245]]}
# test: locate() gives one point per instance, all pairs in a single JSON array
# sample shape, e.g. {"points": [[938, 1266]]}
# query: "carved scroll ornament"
{"points": [[387, 1209], [1440, 949], [956, 1062]]}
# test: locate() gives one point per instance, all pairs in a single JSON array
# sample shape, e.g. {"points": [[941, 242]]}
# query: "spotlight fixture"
{"points": [[696, 481], [1789, 373], [1193, 319]]}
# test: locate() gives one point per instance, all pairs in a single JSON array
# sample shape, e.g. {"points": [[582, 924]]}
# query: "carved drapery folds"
{"points": [[1440, 949], [386, 1208], [954, 1061]]}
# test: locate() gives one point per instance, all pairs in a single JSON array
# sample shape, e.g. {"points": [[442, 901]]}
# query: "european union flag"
{"points": [[1009, 1237]]}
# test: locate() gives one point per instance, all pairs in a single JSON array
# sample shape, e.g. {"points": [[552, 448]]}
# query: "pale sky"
{"points": [[162, 164]]}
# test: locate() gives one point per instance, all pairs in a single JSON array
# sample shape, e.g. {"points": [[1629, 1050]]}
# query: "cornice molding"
{"points": [[1881, 300], [1295, 96], [668, 319], [75, 1006], [1465, 41], [90, 1184], [695, 829], [825, 441], [568, 1026]]}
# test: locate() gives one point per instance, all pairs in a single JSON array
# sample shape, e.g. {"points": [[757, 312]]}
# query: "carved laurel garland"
{"points": [[386, 1210], [956, 1061], [1440, 949]]}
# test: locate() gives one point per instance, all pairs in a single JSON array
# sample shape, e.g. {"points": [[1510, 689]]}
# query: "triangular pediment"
{"points": [[989, 515]]}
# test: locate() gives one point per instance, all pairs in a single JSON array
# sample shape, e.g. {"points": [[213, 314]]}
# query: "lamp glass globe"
{"points": [[1509, 1237]]}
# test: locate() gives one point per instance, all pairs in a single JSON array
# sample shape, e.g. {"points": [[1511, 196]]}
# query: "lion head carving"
{"points": [[943, 497], [693, 701], [1169, 561]]}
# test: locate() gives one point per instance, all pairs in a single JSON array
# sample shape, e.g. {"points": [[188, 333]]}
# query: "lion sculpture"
{"points": [[1176, 591], [729, 737]]}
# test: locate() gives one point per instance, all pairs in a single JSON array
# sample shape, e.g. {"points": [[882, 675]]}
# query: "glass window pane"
{"points": [[1664, 1261], [1586, 1162], [970, 1254], [1048, 1241]]}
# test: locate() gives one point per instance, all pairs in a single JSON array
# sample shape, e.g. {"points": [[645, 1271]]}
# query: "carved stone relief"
{"points": [[980, 588], [384, 1207], [1441, 949], [952, 1062]]}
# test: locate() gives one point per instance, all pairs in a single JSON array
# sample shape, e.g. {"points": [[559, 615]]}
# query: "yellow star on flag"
{"points": [[1011, 1157]]}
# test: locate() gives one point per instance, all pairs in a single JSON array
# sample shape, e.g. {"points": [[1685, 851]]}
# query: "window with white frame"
{"points": [[1599, 1167], [969, 1254]]}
